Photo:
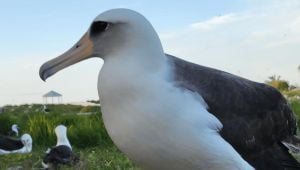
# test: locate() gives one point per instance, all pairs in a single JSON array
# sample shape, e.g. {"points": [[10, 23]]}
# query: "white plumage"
{"points": [[158, 125]]}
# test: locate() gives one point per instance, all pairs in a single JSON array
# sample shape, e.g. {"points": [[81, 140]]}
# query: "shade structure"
{"points": [[52, 97]]}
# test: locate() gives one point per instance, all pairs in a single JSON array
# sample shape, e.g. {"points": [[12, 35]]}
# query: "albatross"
{"points": [[62, 153], [167, 113], [10, 145]]}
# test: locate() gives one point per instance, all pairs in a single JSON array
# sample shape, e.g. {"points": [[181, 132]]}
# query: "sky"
{"points": [[250, 38]]}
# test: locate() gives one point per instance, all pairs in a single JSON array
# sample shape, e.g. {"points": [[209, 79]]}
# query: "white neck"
{"points": [[15, 129], [63, 140]]}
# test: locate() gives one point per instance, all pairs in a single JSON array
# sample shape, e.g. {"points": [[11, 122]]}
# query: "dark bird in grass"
{"points": [[167, 113], [10, 145], [62, 153]]}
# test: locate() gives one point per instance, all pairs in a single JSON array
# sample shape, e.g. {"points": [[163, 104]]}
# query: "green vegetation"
{"points": [[104, 158], [295, 104], [86, 133]]}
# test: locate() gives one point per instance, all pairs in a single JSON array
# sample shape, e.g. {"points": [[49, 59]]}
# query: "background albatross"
{"points": [[10, 145], [60, 154], [166, 113]]}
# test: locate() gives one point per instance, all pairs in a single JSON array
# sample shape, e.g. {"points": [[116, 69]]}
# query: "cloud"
{"points": [[215, 21], [254, 43]]}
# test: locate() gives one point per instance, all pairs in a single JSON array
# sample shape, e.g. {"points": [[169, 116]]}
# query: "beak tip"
{"points": [[43, 73], [43, 77]]}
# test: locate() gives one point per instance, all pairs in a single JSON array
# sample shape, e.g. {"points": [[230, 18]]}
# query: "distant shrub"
{"points": [[283, 85], [94, 101], [278, 83], [64, 109], [92, 109]]}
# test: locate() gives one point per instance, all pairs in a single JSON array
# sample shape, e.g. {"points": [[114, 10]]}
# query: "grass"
{"points": [[295, 105], [86, 133], [106, 158]]}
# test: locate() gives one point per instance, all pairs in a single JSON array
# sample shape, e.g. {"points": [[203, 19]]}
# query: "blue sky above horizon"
{"points": [[36, 26], [250, 38]]}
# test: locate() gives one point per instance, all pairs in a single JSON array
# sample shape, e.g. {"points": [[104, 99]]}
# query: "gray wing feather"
{"points": [[254, 115]]}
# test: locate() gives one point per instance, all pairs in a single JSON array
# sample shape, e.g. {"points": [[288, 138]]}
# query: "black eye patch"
{"points": [[98, 27]]}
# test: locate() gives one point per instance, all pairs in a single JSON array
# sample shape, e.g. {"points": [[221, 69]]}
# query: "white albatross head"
{"points": [[61, 134], [116, 32], [15, 128], [27, 142]]}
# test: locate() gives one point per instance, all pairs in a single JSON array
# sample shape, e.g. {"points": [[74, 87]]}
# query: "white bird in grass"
{"points": [[166, 113]]}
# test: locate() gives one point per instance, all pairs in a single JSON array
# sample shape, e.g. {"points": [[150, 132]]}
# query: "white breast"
{"points": [[160, 126]]}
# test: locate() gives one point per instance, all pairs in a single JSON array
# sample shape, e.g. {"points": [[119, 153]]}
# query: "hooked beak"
{"points": [[82, 50]]}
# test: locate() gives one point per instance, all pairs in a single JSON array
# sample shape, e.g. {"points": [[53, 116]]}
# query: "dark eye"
{"points": [[98, 27]]}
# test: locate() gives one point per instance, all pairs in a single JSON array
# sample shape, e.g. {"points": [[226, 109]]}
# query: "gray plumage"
{"points": [[256, 118]]}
